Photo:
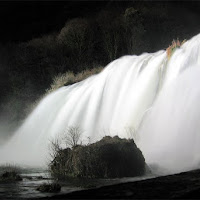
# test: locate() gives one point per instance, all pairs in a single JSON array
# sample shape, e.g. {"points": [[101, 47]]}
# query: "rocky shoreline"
{"points": [[185, 185]]}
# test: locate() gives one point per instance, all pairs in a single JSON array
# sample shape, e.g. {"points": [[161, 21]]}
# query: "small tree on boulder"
{"points": [[72, 136]]}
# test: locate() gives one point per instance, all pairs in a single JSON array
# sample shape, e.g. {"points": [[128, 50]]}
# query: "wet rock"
{"points": [[39, 177], [53, 187], [10, 176], [28, 177]]}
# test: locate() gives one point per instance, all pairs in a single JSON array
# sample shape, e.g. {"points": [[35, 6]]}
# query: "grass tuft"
{"points": [[70, 78], [9, 168], [175, 44], [10, 173]]}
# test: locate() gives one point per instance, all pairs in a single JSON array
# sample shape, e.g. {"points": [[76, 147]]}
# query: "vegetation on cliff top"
{"points": [[175, 44], [69, 78]]}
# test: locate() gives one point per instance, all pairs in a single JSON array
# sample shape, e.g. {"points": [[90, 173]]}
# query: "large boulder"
{"points": [[107, 158]]}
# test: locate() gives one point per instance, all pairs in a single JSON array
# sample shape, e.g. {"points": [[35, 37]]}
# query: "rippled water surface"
{"points": [[35, 177], [27, 187]]}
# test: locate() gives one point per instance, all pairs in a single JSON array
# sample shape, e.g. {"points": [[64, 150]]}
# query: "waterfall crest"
{"points": [[156, 97]]}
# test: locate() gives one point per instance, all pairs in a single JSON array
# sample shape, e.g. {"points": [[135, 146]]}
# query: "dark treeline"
{"points": [[89, 37]]}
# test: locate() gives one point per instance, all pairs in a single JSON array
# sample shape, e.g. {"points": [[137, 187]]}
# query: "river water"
{"points": [[32, 178]]}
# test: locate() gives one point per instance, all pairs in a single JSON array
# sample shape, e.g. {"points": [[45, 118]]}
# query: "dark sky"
{"points": [[24, 20]]}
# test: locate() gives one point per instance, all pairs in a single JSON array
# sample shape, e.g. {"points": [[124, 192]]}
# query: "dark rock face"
{"points": [[108, 158], [10, 176], [54, 187], [185, 185]]}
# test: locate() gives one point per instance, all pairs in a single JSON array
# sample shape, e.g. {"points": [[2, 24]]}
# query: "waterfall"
{"points": [[155, 97]]}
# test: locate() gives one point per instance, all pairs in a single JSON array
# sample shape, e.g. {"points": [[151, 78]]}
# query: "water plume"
{"points": [[169, 134], [151, 94]]}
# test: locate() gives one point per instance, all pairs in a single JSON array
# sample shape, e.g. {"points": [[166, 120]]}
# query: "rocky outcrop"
{"points": [[107, 158]]}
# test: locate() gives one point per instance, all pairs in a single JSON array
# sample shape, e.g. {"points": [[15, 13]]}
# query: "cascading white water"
{"points": [[155, 96], [169, 134]]}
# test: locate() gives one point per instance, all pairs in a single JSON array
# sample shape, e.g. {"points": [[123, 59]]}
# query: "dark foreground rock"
{"points": [[10, 176], [53, 187], [180, 186], [107, 158]]}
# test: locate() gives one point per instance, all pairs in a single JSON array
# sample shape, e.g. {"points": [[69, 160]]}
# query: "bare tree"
{"points": [[55, 147], [78, 37], [111, 32], [72, 136], [133, 30], [68, 139]]}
